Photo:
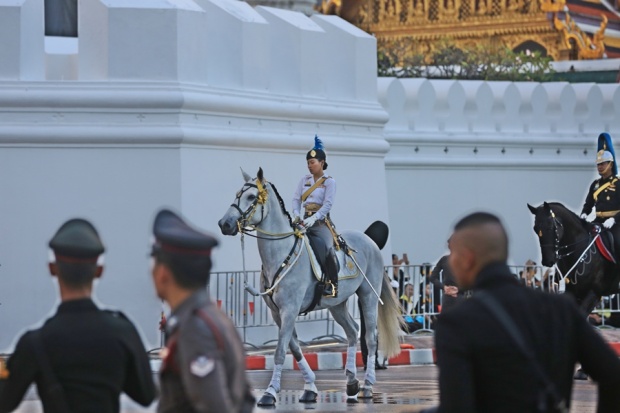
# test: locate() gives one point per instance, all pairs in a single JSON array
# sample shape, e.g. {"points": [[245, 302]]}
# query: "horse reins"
{"points": [[557, 248], [244, 227]]}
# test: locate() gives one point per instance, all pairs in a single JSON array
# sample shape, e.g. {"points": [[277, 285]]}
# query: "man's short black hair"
{"points": [[477, 218], [499, 242], [191, 273], [76, 274]]}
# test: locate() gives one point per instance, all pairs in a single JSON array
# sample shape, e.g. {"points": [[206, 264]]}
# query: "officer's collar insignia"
{"points": [[540, 233], [202, 366], [313, 153]]}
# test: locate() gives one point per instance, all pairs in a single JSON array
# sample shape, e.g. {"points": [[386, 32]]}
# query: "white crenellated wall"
{"points": [[160, 103], [460, 146]]}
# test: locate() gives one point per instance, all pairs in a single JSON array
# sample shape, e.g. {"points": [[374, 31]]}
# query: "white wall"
{"points": [[160, 105], [457, 147]]}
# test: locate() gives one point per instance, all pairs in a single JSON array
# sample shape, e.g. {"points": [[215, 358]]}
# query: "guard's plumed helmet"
{"points": [[605, 152], [604, 156], [317, 152]]}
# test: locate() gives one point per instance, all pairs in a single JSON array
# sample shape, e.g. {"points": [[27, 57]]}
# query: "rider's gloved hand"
{"points": [[308, 222], [296, 218], [609, 222], [583, 216]]}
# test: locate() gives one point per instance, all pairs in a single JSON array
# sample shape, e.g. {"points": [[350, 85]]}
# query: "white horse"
{"points": [[288, 286]]}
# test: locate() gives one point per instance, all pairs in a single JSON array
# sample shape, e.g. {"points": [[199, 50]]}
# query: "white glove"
{"points": [[308, 222], [583, 216], [296, 218], [609, 222]]}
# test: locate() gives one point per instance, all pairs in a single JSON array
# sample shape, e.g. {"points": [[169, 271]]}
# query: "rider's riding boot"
{"points": [[331, 285]]}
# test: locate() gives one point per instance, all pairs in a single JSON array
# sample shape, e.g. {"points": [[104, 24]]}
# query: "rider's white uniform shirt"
{"points": [[323, 195]]}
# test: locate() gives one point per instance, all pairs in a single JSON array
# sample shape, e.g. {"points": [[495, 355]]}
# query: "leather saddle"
{"points": [[605, 242], [320, 252]]}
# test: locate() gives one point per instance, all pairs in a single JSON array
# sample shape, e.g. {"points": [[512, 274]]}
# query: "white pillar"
{"points": [[22, 50]]}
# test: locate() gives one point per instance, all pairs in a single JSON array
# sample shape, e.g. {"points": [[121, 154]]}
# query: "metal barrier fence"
{"points": [[248, 311]]}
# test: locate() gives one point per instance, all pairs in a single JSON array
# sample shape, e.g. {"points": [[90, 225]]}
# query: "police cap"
{"points": [[317, 152], [77, 239], [174, 236]]}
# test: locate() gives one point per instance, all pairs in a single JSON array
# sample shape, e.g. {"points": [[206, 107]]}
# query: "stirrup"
{"points": [[333, 293]]}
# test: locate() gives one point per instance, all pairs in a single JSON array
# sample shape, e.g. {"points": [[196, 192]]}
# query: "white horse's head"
{"points": [[249, 207]]}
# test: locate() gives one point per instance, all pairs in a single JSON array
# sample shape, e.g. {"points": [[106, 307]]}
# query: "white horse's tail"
{"points": [[390, 321]]}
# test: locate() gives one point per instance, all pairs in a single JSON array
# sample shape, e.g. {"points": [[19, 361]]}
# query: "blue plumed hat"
{"points": [[606, 145], [318, 152]]}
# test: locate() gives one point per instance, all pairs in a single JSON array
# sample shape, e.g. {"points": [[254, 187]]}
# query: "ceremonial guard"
{"points": [[315, 193], [203, 363], [83, 357], [603, 195]]}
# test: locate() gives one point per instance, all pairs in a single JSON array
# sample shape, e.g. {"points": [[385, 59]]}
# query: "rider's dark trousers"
{"points": [[320, 229]]}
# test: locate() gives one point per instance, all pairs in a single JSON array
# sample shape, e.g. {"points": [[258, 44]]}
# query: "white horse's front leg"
{"points": [[284, 338], [310, 390], [271, 394]]}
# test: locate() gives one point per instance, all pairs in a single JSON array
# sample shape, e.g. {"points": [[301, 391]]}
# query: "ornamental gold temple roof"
{"points": [[423, 26]]}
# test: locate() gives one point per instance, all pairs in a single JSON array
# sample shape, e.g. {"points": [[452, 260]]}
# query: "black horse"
{"points": [[568, 242]]}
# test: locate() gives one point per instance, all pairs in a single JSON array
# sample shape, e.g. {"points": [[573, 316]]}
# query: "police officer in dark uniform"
{"points": [[203, 363], [83, 357]]}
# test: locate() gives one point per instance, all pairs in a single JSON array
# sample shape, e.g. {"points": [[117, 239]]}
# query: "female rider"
{"points": [[315, 193]]}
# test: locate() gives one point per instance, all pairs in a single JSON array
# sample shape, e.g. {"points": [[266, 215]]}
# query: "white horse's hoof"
{"points": [[267, 400], [365, 393], [308, 397], [353, 388]]}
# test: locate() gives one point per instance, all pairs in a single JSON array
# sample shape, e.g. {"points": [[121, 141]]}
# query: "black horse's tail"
{"points": [[378, 231]]}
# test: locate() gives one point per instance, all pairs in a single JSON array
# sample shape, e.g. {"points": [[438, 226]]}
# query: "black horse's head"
{"points": [[550, 230], [249, 206]]}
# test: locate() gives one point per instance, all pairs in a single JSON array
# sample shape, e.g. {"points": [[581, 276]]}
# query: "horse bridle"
{"points": [[246, 216], [556, 238], [243, 224], [557, 248]]}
